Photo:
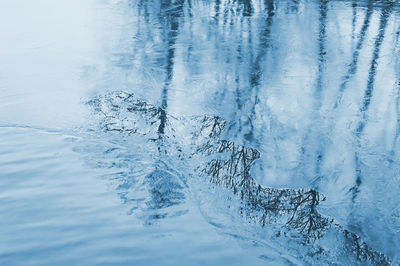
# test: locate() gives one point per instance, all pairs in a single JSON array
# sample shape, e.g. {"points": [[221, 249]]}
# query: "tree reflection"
{"points": [[385, 15], [255, 60], [285, 211], [314, 135], [353, 66]]}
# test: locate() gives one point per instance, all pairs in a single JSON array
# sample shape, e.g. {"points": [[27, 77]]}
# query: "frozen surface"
{"points": [[199, 132]]}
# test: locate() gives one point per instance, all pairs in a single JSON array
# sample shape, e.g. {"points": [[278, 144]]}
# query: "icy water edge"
{"points": [[109, 153]]}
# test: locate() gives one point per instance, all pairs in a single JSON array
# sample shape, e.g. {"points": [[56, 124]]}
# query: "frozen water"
{"points": [[199, 132]]}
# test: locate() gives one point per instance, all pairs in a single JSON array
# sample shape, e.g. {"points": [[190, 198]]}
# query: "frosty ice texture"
{"points": [[292, 213]]}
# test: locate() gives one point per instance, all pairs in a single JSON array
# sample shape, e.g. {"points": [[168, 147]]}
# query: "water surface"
{"points": [[313, 85]]}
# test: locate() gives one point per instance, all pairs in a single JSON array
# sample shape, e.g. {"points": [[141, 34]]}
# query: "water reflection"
{"points": [[227, 165], [384, 17], [352, 68], [305, 82], [138, 157], [314, 140]]}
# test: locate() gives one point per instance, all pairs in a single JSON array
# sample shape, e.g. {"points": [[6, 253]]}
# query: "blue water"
{"points": [[312, 85], [56, 210]]}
